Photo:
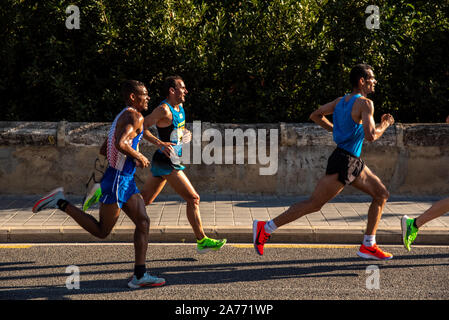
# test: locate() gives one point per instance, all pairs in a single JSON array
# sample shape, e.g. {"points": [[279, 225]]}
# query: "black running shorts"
{"points": [[345, 164]]}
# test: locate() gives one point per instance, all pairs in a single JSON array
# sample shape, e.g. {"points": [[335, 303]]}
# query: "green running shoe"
{"points": [[409, 231], [207, 244], [92, 196]]}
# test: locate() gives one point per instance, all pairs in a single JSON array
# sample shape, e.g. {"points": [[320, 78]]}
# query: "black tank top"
{"points": [[164, 133]]}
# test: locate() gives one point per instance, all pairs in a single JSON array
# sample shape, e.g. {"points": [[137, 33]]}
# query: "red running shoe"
{"points": [[373, 252], [259, 236]]}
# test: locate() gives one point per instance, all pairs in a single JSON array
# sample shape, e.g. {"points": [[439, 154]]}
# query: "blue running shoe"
{"points": [[146, 281], [50, 200]]}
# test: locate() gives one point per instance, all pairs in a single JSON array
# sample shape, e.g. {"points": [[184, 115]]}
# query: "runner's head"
{"points": [[175, 89], [135, 94], [362, 78]]}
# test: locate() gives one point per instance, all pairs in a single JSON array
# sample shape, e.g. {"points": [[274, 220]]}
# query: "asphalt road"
{"points": [[285, 272]]}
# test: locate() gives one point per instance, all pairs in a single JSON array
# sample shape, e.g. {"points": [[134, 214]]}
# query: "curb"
{"points": [[302, 234]]}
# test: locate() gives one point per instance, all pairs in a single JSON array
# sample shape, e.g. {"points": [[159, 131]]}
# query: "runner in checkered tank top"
{"points": [[118, 188]]}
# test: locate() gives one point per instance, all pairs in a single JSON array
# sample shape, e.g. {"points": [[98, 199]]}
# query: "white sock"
{"points": [[369, 240], [270, 227]]}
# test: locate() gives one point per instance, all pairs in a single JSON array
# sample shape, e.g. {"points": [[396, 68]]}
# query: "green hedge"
{"points": [[242, 61]]}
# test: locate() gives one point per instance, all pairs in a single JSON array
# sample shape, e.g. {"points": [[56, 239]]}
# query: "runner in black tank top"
{"points": [[169, 119], [161, 164]]}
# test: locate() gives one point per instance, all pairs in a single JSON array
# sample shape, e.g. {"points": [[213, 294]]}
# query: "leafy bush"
{"points": [[242, 61]]}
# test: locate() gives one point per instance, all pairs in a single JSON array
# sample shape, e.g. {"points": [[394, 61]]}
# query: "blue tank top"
{"points": [[174, 132], [347, 134]]}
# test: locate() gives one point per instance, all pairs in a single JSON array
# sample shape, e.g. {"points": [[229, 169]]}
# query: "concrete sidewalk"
{"points": [[343, 220]]}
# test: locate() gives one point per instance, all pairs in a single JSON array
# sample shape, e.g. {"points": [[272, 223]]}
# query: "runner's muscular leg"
{"points": [[135, 210], [153, 186], [181, 184], [109, 214], [369, 183], [326, 189], [436, 210]]}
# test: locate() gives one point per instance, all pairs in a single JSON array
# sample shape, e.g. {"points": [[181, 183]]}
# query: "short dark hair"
{"points": [[169, 82], [357, 72], [128, 87]]}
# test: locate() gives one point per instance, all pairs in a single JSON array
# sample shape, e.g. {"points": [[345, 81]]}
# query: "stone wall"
{"points": [[411, 159]]}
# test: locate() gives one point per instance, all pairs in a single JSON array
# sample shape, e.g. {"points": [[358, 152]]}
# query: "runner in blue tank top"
{"points": [[118, 188], [352, 123], [347, 134], [169, 118]]}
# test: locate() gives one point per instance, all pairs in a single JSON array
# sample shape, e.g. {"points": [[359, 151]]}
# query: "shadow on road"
{"points": [[195, 274]]}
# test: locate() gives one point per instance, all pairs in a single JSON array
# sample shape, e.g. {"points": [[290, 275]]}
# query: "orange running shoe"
{"points": [[373, 252], [259, 236]]}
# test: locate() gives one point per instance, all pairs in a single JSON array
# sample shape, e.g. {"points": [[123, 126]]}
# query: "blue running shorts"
{"points": [[117, 187]]}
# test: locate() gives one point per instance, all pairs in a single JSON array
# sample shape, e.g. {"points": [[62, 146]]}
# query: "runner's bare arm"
{"points": [[319, 115], [373, 132], [127, 129], [150, 120], [156, 116]]}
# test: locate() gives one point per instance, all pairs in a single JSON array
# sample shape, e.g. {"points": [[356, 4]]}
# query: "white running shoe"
{"points": [[50, 200], [146, 281]]}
